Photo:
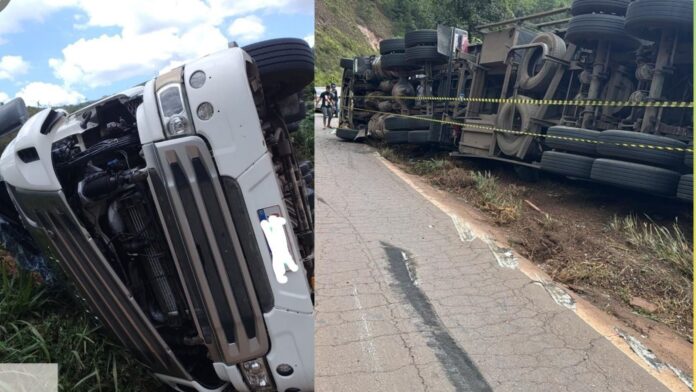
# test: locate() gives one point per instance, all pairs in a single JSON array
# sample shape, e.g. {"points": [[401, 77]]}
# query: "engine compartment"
{"points": [[104, 178]]}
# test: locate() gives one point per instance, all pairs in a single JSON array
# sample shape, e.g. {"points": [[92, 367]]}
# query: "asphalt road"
{"points": [[404, 304]]}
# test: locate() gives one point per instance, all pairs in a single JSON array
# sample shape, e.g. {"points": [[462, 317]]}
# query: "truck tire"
{"points": [[685, 189], [530, 78], [419, 137], [347, 63], [570, 165], [636, 176], [396, 123], [589, 29], [509, 143], [395, 61], [346, 134], [647, 18], [588, 147], [391, 45], [424, 54], [286, 65], [581, 7], [395, 137], [420, 37], [689, 156], [627, 145]]}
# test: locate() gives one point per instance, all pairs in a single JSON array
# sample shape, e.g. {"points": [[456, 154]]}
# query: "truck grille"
{"points": [[57, 231], [206, 248]]}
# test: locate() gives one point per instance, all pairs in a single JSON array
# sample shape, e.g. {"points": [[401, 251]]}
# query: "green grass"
{"points": [[504, 204], [665, 244], [38, 325]]}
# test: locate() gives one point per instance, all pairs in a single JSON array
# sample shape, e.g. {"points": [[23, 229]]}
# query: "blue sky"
{"points": [[57, 52]]}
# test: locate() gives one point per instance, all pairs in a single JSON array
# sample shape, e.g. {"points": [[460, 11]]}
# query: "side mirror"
{"points": [[13, 115]]}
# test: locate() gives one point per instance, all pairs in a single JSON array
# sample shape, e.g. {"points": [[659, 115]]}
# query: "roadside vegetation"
{"points": [[629, 258], [42, 325]]}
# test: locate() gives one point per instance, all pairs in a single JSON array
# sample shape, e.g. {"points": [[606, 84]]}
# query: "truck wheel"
{"points": [[346, 134], [536, 72], [635, 176], [685, 189], [570, 165], [347, 63], [419, 137], [581, 7], [589, 29], [631, 146], [392, 45], [647, 18], [420, 37], [395, 61], [587, 147], [395, 137], [404, 123], [424, 54], [511, 143], [286, 65]]}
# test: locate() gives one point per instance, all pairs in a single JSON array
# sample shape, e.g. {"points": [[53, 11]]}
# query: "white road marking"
{"points": [[366, 343]]}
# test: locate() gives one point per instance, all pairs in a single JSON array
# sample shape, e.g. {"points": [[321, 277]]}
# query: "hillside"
{"points": [[342, 31], [346, 28]]}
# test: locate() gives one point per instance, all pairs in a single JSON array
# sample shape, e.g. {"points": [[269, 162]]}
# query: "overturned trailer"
{"points": [[605, 94]]}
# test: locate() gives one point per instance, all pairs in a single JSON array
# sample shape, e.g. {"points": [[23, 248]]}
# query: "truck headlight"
{"points": [[257, 375], [172, 104]]}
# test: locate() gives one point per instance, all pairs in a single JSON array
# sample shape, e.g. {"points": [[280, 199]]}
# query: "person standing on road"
{"points": [[326, 99], [334, 94]]}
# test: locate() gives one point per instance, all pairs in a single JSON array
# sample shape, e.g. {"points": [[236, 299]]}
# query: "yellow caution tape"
{"points": [[548, 102], [524, 133]]}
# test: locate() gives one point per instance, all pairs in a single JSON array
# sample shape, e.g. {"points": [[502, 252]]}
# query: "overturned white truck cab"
{"points": [[152, 200]]}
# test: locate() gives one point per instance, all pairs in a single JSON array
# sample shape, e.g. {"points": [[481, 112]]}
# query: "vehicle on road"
{"points": [[152, 202], [605, 95]]}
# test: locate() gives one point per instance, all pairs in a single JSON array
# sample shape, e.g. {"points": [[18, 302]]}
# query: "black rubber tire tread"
{"points": [[394, 61], [420, 37], [636, 176], [346, 134], [424, 54], [571, 165], [286, 65], [396, 137], [405, 123], [347, 63], [646, 18], [541, 81], [581, 7], [586, 30], [685, 189], [419, 137], [608, 147], [689, 156], [587, 148], [391, 45]]}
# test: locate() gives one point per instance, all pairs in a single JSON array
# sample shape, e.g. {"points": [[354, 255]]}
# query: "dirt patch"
{"points": [[569, 229], [371, 37]]}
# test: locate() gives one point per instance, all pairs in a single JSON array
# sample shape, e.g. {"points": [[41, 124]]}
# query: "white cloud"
{"points": [[11, 66], [310, 40], [151, 34], [47, 94], [4, 97], [247, 28], [106, 59]]}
